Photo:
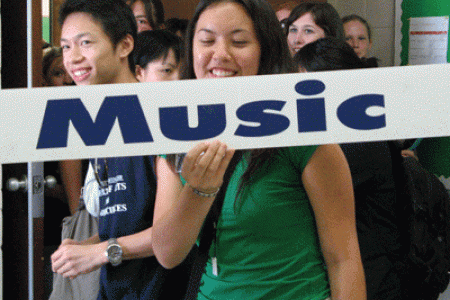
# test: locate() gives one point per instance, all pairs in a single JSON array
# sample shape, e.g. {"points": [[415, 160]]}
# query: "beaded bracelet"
{"points": [[202, 194]]}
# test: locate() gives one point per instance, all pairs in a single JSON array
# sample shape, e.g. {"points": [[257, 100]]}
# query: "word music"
{"points": [[212, 120]]}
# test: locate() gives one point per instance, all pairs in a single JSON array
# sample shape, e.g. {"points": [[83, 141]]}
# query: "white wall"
{"points": [[381, 15], [45, 8], [1, 199]]}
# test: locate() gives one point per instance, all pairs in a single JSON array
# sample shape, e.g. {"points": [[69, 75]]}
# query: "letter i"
{"points": [[311, 112]]}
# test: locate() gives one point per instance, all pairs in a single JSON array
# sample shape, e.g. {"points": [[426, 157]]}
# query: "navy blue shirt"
{"points": [[126, 207]]}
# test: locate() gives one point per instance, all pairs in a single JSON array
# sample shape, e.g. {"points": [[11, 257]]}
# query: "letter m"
{"points": [[58, 113]]}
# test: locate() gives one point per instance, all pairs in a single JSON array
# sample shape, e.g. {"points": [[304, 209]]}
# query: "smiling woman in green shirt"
{"points": [[287, 226]]}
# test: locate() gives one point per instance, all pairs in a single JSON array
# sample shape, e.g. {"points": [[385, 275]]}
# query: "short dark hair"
{"points": [[114, 16], [360, 19], [154, 10], [275, 57], [289, 5], [325, 16], [176, 24], [327, 54], [154, 44]]}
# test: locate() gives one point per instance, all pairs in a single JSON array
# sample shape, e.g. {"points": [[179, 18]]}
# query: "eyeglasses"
{"points": [[102, 183]]}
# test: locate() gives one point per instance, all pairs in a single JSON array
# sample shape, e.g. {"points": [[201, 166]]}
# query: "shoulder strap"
{"points": [[397, 167], [209, 232], [403, 202], [209, 228]]}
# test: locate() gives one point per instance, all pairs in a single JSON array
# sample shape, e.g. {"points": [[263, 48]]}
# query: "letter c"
{"points": [[352, 112]]}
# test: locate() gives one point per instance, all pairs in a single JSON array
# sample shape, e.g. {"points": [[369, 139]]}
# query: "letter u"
{"points": [[174, 122]]}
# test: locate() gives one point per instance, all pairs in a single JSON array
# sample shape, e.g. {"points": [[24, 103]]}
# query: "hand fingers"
{"points": [[66, 270], [73, 260], [198, 158], [191, 157], [206, 166], [60, 259], [57, 266], [205, 160], [224, 162], [65, 264], [55, 258], [216, 161]]}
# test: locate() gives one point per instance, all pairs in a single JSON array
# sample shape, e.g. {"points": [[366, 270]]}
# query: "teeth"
{"points": [[79, 73], [222, 73]]}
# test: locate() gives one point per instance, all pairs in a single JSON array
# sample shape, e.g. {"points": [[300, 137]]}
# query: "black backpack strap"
{"points": [[403, 202], [208, 233], [209, 227]]}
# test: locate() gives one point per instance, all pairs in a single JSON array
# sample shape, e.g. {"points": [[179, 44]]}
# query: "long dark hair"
{"points": [[275, 59], [274, 50], [325, 16], [154, 10]]}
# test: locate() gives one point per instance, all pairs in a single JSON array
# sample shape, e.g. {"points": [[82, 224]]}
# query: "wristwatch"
{"points": [[114, 252]]}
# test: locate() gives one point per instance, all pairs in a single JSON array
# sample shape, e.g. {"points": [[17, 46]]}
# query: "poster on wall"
{"points": [[428, 40]]}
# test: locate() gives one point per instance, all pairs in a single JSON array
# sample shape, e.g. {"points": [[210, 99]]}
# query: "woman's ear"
{"points": [[140, 73]]}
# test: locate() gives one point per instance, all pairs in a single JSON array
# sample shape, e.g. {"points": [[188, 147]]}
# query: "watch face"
{"points": [[114, 254]]}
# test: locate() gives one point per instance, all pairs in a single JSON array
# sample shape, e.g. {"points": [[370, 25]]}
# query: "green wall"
{"points": [[415, 9], [46, 29]]}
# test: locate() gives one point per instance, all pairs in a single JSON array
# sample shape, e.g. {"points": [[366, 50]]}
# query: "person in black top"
{"points": [[377, 212], [359, 36]]}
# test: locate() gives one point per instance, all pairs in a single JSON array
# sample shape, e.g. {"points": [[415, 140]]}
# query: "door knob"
{"points": [[13, 184], [50, 181]]}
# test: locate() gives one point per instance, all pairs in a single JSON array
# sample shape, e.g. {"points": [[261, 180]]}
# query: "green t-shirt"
{"points": [[268, 247]]}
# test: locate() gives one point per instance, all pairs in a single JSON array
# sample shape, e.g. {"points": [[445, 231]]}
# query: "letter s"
{"points": [[254, 112]]}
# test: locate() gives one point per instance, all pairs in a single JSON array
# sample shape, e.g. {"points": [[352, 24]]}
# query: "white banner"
{"points": [[246, 112]]}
